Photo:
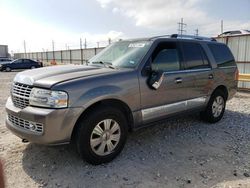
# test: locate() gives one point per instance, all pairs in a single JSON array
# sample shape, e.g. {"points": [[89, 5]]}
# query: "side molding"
{"points": [[151, 113]]}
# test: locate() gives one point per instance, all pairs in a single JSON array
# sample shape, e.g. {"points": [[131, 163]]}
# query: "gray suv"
{"points": [[129, 85]]}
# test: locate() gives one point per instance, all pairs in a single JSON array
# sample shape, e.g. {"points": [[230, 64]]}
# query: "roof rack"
{"points": [[192, 37], [160, 36]]}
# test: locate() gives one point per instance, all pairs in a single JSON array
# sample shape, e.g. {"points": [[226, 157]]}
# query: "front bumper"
{"points": [[57, 124]]}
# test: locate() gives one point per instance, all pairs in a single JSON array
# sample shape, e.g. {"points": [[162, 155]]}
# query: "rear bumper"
{"points": [[232, 91], [57, 124]]}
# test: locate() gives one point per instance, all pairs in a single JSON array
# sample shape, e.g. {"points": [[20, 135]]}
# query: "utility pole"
{"points": [[221, 26], [98, 44], [81, 50], [53, 45], [80, 43], [197, 32], [53, 49], [181, 28], [109, 41], [85, 43], [24, 46]]}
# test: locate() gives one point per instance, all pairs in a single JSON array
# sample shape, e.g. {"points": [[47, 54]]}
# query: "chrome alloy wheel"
{"points": [[218, 106], [105, 137]]}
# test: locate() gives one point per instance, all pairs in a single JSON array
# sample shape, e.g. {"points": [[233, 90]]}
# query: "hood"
{"points": [[5, 62], [49, 76]]}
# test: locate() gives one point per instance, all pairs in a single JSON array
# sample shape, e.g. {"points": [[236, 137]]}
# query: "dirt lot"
{"points": [[183, 152]]}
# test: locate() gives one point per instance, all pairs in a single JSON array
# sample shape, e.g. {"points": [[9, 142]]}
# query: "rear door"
{"points": [[27, 63], [197, 65], [171, 96]]}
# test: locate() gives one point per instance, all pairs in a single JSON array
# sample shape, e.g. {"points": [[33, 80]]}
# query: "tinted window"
{"points": [[194, 56], [27, 61], [166, 58], [18, 61], [222, 55]]}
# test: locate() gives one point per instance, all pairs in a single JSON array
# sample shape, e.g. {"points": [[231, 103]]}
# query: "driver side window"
{"points": [[19, 61], [166, 58]]}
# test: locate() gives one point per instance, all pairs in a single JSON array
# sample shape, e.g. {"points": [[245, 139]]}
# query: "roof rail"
{"points": [[192, 37], [160, 36]]}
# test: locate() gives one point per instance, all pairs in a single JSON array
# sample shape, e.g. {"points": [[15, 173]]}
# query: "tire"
{"points": [[93, 144], [7, 69], [215, 108], [32, 67]]}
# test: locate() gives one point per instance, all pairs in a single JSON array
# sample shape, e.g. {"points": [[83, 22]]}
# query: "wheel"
{"points": [[32, 67], [215, 108], [101, 136], [8, 69]]}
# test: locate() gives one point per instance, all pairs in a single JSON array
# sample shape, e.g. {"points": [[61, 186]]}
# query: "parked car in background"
{"points": [[20, 64], [5, 60]]}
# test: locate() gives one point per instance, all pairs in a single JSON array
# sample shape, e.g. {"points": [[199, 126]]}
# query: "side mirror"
{"points": [[155, 79]]}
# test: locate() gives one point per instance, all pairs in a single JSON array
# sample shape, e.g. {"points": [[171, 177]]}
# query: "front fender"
{"points": [[98, 94]]}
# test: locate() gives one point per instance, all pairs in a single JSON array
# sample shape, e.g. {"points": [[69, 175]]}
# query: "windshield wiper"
{"points": [[106, 64]]}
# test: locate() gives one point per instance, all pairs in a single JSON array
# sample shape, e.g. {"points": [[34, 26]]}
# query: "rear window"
{"points": [[222, 55]]}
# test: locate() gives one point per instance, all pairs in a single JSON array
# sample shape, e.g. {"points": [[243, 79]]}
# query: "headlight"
{"points": [[48, 98], [1, 66]]}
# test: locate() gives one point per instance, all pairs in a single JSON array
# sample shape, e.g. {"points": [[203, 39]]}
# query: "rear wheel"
{"points": [[215, 108], [101, 135], [8, 69]]}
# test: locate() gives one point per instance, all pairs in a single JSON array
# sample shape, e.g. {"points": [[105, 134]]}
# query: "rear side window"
{"points": [[222, 55], [27, 61], [195, 56]]}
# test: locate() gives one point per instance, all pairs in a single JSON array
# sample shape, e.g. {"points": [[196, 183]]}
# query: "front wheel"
{"points": [[7, 69], [101, 135], [215, 108]]}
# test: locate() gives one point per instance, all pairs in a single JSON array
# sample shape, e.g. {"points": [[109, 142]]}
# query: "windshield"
{"points": [[122, 54]]}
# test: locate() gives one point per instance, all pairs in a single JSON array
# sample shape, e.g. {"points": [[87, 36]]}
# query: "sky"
{"points": [[39, 22]]}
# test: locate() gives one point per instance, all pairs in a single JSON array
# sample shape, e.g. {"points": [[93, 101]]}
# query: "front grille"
{"points": [[20, 95], [25, 124]]}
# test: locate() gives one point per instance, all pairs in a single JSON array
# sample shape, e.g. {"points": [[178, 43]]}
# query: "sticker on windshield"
{"points": [[131, 62], [136, 45]]}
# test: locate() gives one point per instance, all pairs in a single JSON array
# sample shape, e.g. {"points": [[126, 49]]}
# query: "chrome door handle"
{"points": [[178, 80], [210, 76]]}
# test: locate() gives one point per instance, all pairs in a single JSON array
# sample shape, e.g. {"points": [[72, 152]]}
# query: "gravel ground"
{"points": [[182, 152]]}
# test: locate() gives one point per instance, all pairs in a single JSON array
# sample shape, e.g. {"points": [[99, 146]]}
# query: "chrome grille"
{"points": [[25, 124], [20, 95]]}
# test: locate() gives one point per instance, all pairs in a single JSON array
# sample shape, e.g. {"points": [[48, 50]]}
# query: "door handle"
{"points": [[178, 80], [210, 76]]}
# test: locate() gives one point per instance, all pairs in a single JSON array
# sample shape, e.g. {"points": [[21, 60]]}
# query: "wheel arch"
{"points": [[222, 88], [106, 102]]}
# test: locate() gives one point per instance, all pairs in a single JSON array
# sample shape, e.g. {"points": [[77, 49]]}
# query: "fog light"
{"points": [[32, 126]]}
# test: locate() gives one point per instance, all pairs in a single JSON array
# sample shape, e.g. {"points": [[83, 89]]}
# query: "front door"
{"points": [[171, 96], [18, 64]]}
